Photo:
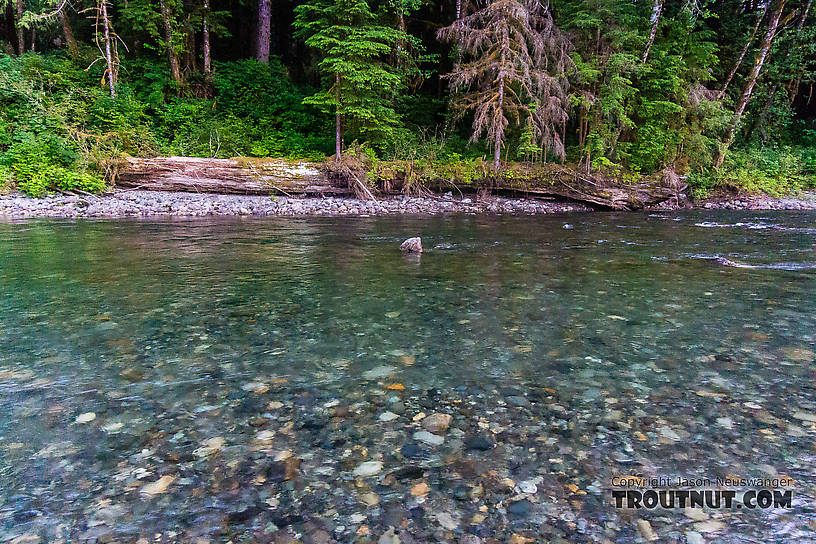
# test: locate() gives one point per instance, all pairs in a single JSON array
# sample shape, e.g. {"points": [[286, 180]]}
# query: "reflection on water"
{"points": [[223, 379]]}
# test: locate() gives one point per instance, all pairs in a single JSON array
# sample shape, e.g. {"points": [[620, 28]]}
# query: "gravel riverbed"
{"points": [[135, 203], [153, 203]]}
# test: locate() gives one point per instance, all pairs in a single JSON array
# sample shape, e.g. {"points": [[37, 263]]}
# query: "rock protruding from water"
{"points": [[412, 245]]}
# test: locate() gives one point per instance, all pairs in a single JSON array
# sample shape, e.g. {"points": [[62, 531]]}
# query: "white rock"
{"points": [[385, 417], [447, 521], [528, 486], [709, 526], [693, 537], [379, 372], [369, 468], [669, 433], [725, 422], [437, 423], [412, 245], [87, 417], [428, 438]]}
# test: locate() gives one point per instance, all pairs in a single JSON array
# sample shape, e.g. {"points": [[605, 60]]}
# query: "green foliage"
{"points": [[774, 170], [361, 76]]}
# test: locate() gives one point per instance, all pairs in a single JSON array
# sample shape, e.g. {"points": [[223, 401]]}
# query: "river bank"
{"points": [[136, 203]]}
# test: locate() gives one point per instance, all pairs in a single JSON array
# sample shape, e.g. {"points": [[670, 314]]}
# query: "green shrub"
{"points": [[775, 171]]}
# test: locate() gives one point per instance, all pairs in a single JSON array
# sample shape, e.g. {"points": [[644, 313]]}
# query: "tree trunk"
{"points": [[744, 51], [68, 34], [175, 71], [33, 39], [275, 176], [190, 59], [109, 59], [772, 94], [241, 176], [765, 48], [205, 39], [264, 30], [655, 20], [20, 35], [338, 134], [498, 142]]}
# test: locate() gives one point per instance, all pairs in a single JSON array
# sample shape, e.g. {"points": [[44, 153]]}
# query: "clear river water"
{"points": [[289, 380]]}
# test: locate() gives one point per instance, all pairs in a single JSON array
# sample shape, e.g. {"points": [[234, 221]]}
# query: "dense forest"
{"points": [[719, 91]]}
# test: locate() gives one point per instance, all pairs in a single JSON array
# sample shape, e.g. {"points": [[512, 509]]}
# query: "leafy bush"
{"points": [[775, 171]]}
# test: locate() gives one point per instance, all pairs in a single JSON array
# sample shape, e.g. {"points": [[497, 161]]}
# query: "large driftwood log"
{"points": [[280, 177], [226, 176]]}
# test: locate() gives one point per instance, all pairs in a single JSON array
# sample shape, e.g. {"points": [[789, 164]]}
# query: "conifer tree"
{"points": [[513, 69], [355, 50]]}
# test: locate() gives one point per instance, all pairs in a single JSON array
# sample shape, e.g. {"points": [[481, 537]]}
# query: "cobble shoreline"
{"points": [[135, 203]]}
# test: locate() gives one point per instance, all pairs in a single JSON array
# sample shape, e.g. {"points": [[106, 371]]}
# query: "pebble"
{"points": [[646, 531], [478, 442], [528, 487], [429, 438], [87, 417], [437, 423], [379, 372], [709, 526], [389, 537], [369, 468], [805, 416], [386, 417], [447, 521], [693, 537], [669, 434], [210, 446], [157, 487], [134, 203], [520, 508], [696, 514]]}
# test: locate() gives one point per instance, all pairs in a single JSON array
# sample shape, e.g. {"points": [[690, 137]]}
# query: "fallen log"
{"points": [[540, 181], [238, 176], [247, 176]]}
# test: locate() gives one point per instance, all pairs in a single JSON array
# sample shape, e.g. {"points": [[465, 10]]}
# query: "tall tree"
{"points": [[19, 9], [205, 37], [67, 32], [104, 37], [747, 46], [657, 9], [750, 81], [513, 68], [355, 57], [264, 33], [172, 55]]}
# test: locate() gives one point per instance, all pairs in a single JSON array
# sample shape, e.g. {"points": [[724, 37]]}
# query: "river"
{"points": [[284, 380]]}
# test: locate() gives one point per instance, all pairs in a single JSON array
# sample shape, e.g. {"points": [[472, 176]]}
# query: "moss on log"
{"points": [[249, 176]]}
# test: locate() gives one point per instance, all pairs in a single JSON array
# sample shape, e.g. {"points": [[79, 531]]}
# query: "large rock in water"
{"points": [[412, 245]]}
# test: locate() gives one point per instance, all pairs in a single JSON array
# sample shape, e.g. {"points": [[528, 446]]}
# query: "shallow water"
{"points": [[245, 363]]}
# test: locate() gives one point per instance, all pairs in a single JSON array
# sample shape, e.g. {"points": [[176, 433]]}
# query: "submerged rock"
{"points": [[437, 423], [429, 438], [412, 245], [369, 468]]}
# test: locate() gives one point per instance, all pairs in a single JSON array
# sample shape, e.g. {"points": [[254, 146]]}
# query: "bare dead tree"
{"points": [[513, 68]]}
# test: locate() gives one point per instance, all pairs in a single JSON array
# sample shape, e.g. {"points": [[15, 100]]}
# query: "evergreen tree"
{"points": [[355, 50], [514, 66]]}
